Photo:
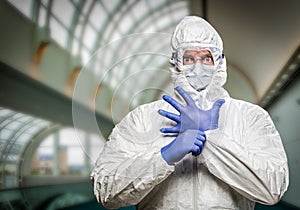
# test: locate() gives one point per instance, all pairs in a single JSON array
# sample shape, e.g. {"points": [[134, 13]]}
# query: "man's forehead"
{"points": [[197, 52]]}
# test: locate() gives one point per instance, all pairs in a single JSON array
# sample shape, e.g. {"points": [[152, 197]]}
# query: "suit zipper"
{"points": [[195, 182]]}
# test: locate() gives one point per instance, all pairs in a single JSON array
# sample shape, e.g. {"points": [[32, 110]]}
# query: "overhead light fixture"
{"points": [[293, 67], [288, 73], [278, 84]]}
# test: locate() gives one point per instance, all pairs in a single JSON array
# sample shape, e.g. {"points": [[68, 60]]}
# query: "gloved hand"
{"points": [[191, 117], [186, 142]]}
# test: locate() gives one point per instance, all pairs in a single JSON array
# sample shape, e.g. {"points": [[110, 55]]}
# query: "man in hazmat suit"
{"points": [[199, 149]]}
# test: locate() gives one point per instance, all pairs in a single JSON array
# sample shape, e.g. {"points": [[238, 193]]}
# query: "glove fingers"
{"points": [[170, 130], [169, 115], [195, 150], [215, 113], [201, 136], [172, 102], [196, 153], [188, 99], [217, 105], [200, 144]]}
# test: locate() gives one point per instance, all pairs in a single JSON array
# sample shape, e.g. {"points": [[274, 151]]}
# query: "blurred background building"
{"points": [[71, 69]]}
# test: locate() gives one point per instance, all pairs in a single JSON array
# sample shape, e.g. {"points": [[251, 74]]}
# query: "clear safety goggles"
{"points": [[189, 54], [203, 56]]}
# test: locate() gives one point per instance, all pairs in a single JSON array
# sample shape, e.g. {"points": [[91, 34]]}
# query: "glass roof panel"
{"points": [[106, 33], [179, 10], [116, 35], [111, 5], [98, 15], [33, 129], [89, 37], [125, 24], [113, 82], [75, 47], [13, 125], [78, 27], [154, 3], [86, 7], [24, 118], [163, 21], [150, 28], [58, 32], [63, 11], [42, 17], [13, 158], [5, 133], [23, 6], [15, 148], [45, 2], [76, 1], [24, 138], [139, 10], [85, 56], [17, 115]]}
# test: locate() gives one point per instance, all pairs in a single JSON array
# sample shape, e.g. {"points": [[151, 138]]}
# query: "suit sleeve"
{"points": [[130, 165], [255, 165]]}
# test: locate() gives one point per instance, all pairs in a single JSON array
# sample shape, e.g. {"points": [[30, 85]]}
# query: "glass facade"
{"points": [[16, 132], [106, 37], [57, 152]]}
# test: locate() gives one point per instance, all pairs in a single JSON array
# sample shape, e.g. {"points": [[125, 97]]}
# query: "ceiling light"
{"points": [[293, 67], [284, 77], [278, 84]]}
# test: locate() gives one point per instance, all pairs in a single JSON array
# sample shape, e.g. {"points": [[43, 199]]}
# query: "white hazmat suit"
{"points": [[243, 160]]}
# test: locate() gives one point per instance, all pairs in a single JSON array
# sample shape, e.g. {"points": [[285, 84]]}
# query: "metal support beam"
{"points": [[22, 93]]}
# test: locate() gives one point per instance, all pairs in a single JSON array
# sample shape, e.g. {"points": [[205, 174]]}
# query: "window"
{"points": [[66, 152], [23, 6], [16, 131]]}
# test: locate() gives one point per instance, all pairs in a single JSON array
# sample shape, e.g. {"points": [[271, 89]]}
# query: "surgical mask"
{"points": [[199, 75]]}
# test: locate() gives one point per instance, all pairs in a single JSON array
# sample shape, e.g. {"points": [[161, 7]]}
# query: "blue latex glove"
{"points": [[186, 142], [191, 117]]}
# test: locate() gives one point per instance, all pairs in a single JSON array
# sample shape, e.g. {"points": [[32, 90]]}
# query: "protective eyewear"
{"points": [[189, 54], [193, 56]]}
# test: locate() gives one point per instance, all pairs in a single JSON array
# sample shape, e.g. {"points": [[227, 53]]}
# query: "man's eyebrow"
{"points": [[208, 54]]}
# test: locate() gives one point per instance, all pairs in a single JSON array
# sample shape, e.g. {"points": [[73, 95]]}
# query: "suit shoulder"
{"points": [[246, 106]]}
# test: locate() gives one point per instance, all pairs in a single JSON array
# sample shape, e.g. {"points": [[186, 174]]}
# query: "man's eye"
{"points": [[208, 59], [188, 59]]}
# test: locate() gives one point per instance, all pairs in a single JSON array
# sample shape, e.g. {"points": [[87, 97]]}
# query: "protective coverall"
{"points": [[243, 160]]}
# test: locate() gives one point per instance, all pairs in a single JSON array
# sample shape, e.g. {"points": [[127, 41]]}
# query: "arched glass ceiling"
{"points": [[16, 130], [31, 146], [85, 28]]}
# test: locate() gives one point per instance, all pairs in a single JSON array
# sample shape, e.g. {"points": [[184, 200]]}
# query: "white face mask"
{"points": [[199, 76]]}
